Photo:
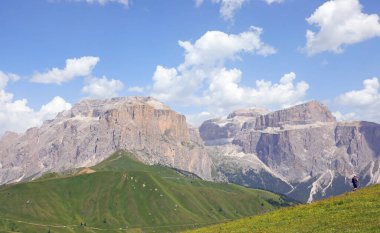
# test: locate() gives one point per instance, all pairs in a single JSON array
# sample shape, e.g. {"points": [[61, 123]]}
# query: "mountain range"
{"points": [[301, 151]]}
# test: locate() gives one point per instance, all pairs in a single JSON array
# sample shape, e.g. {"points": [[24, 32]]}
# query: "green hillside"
{"points": [[351, 212], [124, 195]]}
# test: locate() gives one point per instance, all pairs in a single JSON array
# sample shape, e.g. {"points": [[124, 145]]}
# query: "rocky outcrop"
{"points": [[307, 113], [223, 130], [301, 149], [218, 132], [93, 129]]}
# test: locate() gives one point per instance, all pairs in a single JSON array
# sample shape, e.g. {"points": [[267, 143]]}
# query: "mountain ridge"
{"points": [[301, 151], [93, 129]]}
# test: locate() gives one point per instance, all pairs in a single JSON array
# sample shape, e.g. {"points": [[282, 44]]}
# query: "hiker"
{"points": [[355, 182]]}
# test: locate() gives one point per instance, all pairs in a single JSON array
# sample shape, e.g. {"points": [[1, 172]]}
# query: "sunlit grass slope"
{"points": [[124, 195], [351, 212]]}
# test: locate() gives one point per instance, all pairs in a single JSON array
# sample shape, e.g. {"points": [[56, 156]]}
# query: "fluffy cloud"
{"points": [[341, 22], [225, 93], [16, 115], [103, 2], [75, 67], [228, 8], [215, 47], [100, 88], [171, 85], [82, 67], [203, 80], [364, 102], [202, 60], [50, 110], [364, 97]]}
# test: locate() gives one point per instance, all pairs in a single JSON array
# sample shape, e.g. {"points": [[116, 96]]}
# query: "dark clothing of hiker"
{"points": [[355, 182]]}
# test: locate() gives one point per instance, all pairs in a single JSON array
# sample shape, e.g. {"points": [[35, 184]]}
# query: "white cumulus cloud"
{"points": [[101, 88], [75, 67], [203, 80], [215, 47], [17, 116], [365, 102], [202, 59], [225, 93], [50, 110], [340, 22], [364, 97]]}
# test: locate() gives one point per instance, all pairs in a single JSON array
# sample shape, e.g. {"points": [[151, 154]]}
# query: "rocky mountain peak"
{"points": [[300, 151], [94, 129], [312, 106], [220, 131], [96, 107], [307, 113]]}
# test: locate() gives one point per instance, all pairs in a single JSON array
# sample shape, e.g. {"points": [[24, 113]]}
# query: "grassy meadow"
{"points": [[124, 195]]}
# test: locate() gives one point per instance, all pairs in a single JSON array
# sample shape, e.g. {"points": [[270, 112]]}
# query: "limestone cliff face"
{"points": [[301, 114], [345, 148], [222, 131], [360, 140], [94, 129], [303, 150]]}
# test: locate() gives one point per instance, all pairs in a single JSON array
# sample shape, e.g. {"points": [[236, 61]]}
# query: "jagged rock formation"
{"points": [[300, 151], [220, 131], [93, 129], [303, 114]]}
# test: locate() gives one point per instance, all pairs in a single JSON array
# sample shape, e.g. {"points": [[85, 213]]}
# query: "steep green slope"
{"points": [[126, 194], [351, 212]]}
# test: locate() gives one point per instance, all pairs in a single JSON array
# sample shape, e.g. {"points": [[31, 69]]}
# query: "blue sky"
{"points": [[234, 54]]}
